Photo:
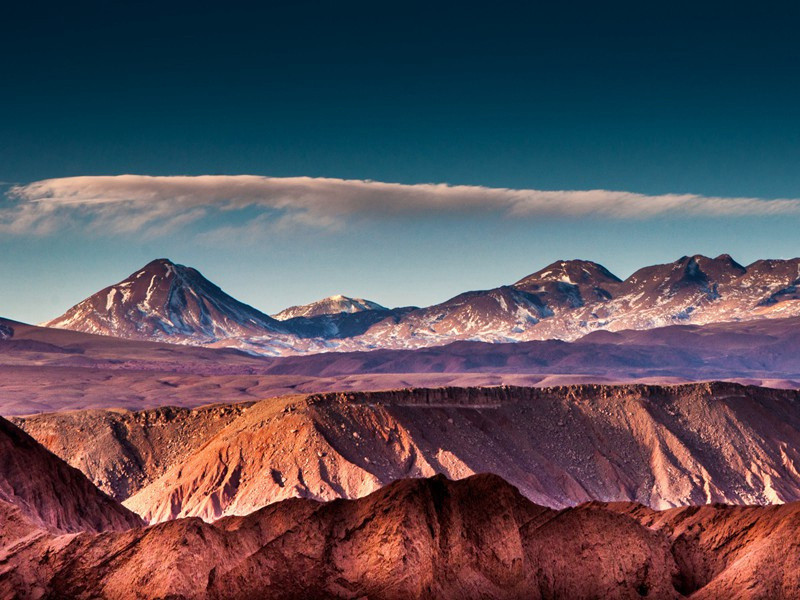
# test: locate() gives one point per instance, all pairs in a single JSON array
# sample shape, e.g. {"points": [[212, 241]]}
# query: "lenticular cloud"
{"points": [[133, 203]]}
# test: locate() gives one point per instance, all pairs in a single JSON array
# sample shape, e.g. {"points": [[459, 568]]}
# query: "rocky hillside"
{"points": [[122, 451], [426, 538], [661, 446], [39, 487]]}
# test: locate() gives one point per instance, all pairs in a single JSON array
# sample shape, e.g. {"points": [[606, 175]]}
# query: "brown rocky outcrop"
{"points": [[425, 538]]}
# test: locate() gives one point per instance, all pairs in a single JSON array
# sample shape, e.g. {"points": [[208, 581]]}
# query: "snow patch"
{"points": [[110, 299]]}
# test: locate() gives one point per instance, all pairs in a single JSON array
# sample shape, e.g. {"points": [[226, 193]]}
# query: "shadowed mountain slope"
{"points": [[51, 494]]}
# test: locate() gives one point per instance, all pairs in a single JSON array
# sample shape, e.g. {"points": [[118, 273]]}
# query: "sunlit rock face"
{"points": [[420, 538], [559, 446]]}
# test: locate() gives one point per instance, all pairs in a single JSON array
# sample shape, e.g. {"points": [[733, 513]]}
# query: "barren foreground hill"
{"points": [[425, 538], [50, 494], [661, 446]]}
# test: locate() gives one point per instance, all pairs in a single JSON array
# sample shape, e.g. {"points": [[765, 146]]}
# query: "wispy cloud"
{"points": [[156, 205]]}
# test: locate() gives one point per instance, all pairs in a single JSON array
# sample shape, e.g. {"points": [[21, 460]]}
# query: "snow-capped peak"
{"points": [[164, 300], [573, 272], [332, 305]]}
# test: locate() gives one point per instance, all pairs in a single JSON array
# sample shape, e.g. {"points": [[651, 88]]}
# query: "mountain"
{"points": [[166, 301], [429, 539], [335, 329], [38, 487], [336, 318], [497, 315], [690, 289], [693, 289], [566, 300], [507, 313], [569, 299], [570, 284], [775, 281], [332, 305], [560, 446]]}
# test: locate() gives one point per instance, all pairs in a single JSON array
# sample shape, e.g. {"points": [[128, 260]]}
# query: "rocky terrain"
{"points": [[122, 451], [661, 446], [424, 538], [41, 489], [566, 300], [613, 492]]}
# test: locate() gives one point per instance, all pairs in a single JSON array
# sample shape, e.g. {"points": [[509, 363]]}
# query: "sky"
{"points": [[402, 152]]}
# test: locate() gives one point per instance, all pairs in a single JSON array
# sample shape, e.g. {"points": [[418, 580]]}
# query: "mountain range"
{"points": [[565, 301]]}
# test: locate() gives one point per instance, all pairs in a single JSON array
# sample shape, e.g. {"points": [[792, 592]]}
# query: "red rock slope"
{"points": [[49, 493], [661, 446], [427, 538]]}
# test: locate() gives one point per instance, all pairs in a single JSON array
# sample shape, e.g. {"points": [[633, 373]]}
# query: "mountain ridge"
{"points": [[424, 538], [562, 445], [566, 300]]}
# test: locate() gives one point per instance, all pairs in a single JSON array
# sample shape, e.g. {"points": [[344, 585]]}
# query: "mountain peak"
{"points": [[332, 305], [162, 266], [687, 275], [575, 272], [160, 262], [164, 300], [721, 268], [723, 260]]}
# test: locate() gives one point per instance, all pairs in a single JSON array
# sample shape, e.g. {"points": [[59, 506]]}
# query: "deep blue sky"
{"points": [[677, 98]]}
